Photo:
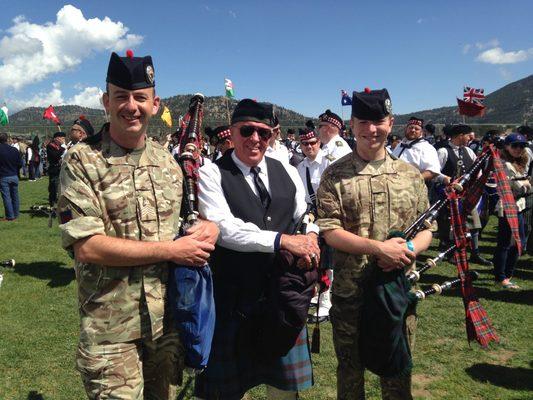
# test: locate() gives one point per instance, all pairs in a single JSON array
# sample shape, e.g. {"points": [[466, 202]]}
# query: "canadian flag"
{"points": [[50, 114]]}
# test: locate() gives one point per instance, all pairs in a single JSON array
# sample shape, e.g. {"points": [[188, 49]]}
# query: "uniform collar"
{"points": [[117, 155], [421, 138], [363, 167], [331, 144], [318, 159], [245, 169], [454, 146]]}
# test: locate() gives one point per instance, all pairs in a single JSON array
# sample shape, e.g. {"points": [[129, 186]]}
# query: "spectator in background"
{"points": [[429, 133], [43, 165], [275, 148], [10, 164], [475, 144], [23, 147], [394, 141], [527, 132], [516, 165], [81, 129], [416, 150], [455, 159], [54, 152], [32, 159]]}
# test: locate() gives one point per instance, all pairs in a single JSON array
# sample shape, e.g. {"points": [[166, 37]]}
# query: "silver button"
{"points": [[269, 219]]}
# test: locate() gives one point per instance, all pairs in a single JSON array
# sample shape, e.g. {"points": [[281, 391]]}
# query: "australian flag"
{"points": [[346, 100]]}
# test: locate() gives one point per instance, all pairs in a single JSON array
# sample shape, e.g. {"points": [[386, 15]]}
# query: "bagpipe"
{"points": [[387, 295], [191, 288], [6, 264], [443, 287]]}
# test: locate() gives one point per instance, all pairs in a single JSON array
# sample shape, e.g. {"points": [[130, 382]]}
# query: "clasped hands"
{"points": [[393, 254], [305, 247]]}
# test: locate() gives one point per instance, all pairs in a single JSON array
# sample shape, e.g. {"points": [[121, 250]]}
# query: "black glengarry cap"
{"points": [[131, 73], [251, 110], [371, 105], [83, 123]]}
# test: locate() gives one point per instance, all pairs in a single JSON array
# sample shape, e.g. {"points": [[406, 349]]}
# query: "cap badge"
{"points": [[388, 106], [149, 74]]}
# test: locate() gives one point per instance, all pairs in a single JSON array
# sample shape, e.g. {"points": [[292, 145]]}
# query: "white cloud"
{"points": [[86, 97], [486, 45], [233, 14], [466, 48], [420, 20], [498, 56], [31, 52]]}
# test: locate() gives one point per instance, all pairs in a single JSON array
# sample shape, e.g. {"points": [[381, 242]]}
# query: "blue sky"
{"points": [[298, 54]]}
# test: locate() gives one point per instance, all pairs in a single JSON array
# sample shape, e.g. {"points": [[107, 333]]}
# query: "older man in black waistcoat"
{"points": [[255, 201]]}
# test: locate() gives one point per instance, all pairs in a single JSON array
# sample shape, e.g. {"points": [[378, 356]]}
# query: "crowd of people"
{"points": [[119, 197], [31, 160]]}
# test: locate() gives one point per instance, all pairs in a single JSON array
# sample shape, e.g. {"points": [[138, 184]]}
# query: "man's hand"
{"points": [[303, 246], [446, 179], [394, 254], [188, 251], [204, 231]]}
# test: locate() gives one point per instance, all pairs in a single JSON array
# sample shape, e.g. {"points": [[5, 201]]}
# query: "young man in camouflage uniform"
{"points": [[119, 208], [362, 198]]}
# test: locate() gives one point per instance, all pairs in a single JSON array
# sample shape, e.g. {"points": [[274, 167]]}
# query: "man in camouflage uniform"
{"points": [[361, 198], [119, 207]]}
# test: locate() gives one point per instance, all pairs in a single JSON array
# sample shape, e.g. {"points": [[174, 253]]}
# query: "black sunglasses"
{"points": [[248, 130], [518, 145]]}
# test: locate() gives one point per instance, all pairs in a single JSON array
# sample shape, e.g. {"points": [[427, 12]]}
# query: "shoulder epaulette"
{"points": [[330, 157]]}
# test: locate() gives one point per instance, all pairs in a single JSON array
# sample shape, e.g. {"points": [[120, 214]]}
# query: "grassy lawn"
{"points": [[39, 326]]}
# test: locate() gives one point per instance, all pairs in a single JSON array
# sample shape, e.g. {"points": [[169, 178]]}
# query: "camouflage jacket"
{"points": [[369, 202], [103, 192]]}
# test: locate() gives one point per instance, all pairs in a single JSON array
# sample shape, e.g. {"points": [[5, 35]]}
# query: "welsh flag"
{"points": [[229, 87], [4, 119], [50, 114]]}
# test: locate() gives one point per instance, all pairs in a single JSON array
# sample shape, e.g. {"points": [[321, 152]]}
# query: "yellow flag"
{"points": [[166, 117]]}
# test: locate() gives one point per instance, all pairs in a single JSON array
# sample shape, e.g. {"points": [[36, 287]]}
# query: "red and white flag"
{"points": [[473, 95], [50, 114]]}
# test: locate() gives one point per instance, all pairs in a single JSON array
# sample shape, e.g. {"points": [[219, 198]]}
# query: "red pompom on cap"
{"points": [[367, 90], [81, 117], [129, 53]]}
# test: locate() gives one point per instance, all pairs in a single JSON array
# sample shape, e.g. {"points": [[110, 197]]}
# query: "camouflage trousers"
{"points": [[141, 369], [345, 316]]}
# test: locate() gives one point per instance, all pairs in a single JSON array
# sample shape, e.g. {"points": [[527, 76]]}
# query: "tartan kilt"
{"points": [[233, 369]]}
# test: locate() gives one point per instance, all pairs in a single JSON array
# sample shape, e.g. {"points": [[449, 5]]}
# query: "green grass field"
{"points": [[39, 326]]}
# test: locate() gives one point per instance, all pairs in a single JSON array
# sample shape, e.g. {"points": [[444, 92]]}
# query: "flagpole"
{"points": [[227, 109]]}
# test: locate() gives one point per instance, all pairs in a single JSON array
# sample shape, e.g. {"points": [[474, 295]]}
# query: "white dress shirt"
{"points": [[316, 168], [422, 155], [280, 152], [336, 148], [235, 234]]}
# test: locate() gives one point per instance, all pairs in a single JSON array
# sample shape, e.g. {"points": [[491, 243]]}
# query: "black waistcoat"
{"points": [[241, 277], [451, 168]]}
